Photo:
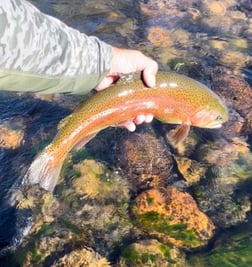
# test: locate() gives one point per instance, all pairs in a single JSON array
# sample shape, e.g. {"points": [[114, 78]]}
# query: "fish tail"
{"points": [[44, 171]]}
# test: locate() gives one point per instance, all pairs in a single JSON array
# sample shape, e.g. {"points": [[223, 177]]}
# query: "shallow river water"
{"points": [[210, 41]]}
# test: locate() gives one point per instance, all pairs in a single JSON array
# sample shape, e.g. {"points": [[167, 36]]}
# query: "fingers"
{"points": [[149, 73], [143, 118], [149, 118], [139, 119], [104, 83], [131, 126]]}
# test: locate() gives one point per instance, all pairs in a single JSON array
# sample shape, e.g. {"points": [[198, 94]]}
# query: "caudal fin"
{"points": [[43, 171]]}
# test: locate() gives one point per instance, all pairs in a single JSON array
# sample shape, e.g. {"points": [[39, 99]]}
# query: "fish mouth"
{"points": [[219, 125], [214, 126]]}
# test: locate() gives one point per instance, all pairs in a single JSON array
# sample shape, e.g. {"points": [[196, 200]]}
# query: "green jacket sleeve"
{"points": [[39, 53]]}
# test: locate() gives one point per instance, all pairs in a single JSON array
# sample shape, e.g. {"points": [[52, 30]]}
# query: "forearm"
{"points": [[41, 54]]}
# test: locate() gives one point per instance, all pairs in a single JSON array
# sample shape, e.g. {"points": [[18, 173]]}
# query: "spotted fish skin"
{"points": [[175, 99]]}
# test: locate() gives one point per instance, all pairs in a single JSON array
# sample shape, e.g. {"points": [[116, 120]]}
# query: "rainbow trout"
{"points": [[175, 99]]}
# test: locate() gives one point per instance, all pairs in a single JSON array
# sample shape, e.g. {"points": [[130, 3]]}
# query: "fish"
{"points": [[175, 99]]}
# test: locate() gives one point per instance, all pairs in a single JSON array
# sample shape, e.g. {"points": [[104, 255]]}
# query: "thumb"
{"points": [[106, 82]]}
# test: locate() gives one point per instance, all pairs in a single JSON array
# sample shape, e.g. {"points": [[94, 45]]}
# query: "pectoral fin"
{"points": [[178, 135], [84, 141]]}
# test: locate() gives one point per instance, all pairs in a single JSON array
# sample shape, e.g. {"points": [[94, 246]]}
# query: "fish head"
{"points": [[210, 117]]}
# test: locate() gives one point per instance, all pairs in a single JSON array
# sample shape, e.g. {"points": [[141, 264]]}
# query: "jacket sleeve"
{"points": [[39, 53]]}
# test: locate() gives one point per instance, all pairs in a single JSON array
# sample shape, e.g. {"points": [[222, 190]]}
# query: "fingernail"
{"points": [[149, 118], [139, 119], [131, 127]]}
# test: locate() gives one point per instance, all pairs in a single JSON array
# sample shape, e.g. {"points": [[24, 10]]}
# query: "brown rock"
{"points": [[80, 258], [217, 8], [160, 37], [146, 161], [234, 126], [218, 153], [191, 170], [10, 137], [237, 93]]}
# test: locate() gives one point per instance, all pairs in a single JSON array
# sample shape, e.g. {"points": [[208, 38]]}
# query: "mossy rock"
{"points": [[234, 251], [155, 222], [172, 217], [151, 252]]}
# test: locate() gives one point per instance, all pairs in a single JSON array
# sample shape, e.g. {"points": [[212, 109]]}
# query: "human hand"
{"points": [[125, 61]]}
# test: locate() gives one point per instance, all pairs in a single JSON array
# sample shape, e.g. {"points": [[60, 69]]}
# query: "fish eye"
{"points": [[219, 117]]}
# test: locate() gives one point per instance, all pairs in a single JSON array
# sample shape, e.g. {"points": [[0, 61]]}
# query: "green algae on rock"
{"points": [[232, 251], [151, 252], [96, 181]]}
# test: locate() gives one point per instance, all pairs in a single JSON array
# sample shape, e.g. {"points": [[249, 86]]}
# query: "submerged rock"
{"points": [[84, 257], [228, 251], [237, 93], [91, 206], [191, 170], [97, 205], [95, 180], [145, 160], [228, 173], [215, 8], [173, 217], [55, 246], [151, 252], [92, 212], [11, 135], [160, 37], [217, 153]]}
